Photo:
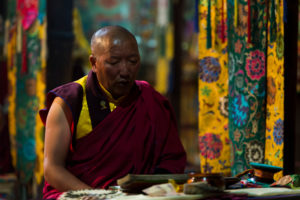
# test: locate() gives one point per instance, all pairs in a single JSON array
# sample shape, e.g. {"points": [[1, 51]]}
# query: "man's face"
{"points": [[116, 65]]}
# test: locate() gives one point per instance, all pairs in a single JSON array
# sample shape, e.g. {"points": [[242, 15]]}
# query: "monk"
{"points": [[107, 124]]}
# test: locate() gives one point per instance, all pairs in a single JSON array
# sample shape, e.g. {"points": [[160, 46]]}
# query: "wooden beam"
{"points": [[290, 77]]}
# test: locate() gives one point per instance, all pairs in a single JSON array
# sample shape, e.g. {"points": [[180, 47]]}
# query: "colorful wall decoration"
{"points": [[25, 52], [96, 14], [237, 73], [214, 142], [274, 133], [247, 78]]}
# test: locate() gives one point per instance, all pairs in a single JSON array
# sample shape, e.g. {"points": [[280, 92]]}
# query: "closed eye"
{"points": [[113, 61], [133, 61]]}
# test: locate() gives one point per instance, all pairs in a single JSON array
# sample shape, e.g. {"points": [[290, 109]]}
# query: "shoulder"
{"points": [[154, 101], [158, 106], [71, 94], [71, 89], [58, 107], [147, 89]]}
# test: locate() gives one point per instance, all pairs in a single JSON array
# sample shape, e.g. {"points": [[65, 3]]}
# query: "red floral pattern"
{"points": [[255, 65], [210, 145]]}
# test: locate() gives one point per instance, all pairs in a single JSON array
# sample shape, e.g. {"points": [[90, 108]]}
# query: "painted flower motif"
{"points": [[254, 126], [255, 65], [239, 167], [210, 145], [239, 82], [271, 91], [205, 91], [207, 168], [224, 165], [239, 109], [209, 69], [232, 155], [278, 132], [29, 149], [231, 65], [253, 87], [223, 106], [22, 117], [219, 30], [30, 86], [280, 47], [242, 29], [237, 135], [238, 46], [254, 151], [225, 127]]}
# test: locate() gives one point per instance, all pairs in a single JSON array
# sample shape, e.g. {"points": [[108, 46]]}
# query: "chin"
{"points": [[121, 91], [118, 94]]}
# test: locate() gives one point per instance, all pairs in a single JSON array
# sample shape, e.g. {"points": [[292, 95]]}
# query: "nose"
{"points": [[124, 70]]}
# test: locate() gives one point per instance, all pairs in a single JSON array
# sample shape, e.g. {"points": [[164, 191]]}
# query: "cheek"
{"points": [[111, 73], [136, 69]]}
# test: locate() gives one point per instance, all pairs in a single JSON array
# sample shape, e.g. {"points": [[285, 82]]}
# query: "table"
{"points": [[253, 194], [279, 193]]}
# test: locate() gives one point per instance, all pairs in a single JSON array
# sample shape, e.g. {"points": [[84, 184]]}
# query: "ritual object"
{"points": [[214, 179], [264, 173], [135, 183]]}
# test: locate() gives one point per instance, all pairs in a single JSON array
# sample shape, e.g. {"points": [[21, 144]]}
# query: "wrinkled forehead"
{"points": [[106, 42]]}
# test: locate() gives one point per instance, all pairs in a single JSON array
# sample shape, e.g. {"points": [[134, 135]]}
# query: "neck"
{"points": [[110, 96]]}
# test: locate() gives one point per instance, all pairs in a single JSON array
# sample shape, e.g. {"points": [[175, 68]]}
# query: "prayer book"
{"points": [[137, 182]]}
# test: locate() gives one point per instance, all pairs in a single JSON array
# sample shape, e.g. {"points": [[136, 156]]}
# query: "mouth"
{"points": [[123, 83]]}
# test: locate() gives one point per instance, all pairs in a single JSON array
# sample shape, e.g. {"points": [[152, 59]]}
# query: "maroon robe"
{"points": [[139, 137]]}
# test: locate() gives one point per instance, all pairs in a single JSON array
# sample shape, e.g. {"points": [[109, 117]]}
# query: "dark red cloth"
{"points": [[140, 138]]}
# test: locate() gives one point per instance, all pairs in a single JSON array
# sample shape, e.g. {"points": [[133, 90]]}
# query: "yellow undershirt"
{"points": [[112, 102]]}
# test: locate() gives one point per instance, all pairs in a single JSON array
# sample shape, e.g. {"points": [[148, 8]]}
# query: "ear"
{"points": [[92, 60]]}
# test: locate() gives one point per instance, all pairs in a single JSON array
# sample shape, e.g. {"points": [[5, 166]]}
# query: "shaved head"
{"points": [[107, 35], [115, 59]]}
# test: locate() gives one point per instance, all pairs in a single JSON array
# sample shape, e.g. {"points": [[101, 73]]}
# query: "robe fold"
{"points": [[140, 136]]}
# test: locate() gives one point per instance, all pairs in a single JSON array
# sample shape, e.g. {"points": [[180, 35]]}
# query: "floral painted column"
{"points": [[25, 45], [247, 29], [214, 140], [275, 87]]}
